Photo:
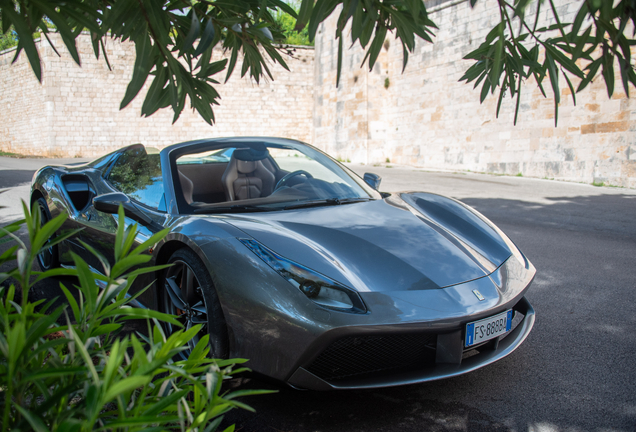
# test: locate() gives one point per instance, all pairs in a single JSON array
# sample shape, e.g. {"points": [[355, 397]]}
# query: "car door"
{"points": [[137, 173]]}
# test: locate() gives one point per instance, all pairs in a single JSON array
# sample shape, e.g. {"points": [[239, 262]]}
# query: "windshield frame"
{"points": [[178, 204]]}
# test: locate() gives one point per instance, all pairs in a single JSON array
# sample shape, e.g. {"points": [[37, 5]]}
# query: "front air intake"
{"points": [[356, 356]]}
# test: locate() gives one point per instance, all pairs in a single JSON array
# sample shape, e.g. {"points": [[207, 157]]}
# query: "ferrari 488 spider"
{"points": [[292, 261]]}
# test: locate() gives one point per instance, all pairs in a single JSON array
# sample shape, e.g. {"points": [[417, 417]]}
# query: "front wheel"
{"points": [[188, 293], [47, 258]]}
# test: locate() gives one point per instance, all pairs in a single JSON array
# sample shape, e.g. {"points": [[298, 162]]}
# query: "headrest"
{"points": [[250, 154], [245, 167]]}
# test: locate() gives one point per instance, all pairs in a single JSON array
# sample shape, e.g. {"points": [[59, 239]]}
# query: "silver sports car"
{"points": [[292, 261]]}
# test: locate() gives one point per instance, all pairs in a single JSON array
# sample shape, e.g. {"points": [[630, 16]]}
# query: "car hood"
{"points": [[410, 241]]}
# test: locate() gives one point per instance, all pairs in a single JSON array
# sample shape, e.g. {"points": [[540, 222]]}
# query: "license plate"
{"points": [[489, 328]]}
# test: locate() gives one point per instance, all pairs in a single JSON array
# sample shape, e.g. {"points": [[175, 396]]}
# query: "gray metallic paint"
{"points": [[413, 257]]}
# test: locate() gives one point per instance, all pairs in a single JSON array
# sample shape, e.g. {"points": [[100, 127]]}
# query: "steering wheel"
{"points": [[282, 182]]}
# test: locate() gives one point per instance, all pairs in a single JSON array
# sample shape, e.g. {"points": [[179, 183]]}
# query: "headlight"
{"points": [[320, 289]]}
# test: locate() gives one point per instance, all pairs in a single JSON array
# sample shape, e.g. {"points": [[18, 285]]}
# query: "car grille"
{"points": [[355, 356]]}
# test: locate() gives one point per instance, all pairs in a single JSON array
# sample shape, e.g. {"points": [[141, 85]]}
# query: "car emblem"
{"points": [[478, 295]]}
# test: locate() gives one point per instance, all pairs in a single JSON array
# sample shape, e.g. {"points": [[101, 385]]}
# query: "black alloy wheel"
{"points": [[188, 293], [47, 258]]}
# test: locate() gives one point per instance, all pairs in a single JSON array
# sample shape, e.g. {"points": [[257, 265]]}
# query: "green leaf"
{"points": [[53, 273], [321, 10], [554, 81], [499, 100], [141, 69], [624, 68], [105, 329], [559, 25], [25, 41], [571, 88], [101, 258], [495, 72], [376, 45], [47, 231], [152, 241], [608, 73], [121, 231], [36, 422], [592, 69], [484, 91], [86, 279], [193, 34], [580, 17], [306, 9], [124, 264], [124, 386], [72, 302], [79, 346], [564, 61], [581, 41], [495, 32], [55, 373], [134, 313], [206, 39]]}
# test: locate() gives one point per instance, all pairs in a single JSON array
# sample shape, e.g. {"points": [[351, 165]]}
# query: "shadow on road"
{"points": [[12, 178]]}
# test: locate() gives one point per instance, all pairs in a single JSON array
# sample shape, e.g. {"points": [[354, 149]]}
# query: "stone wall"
{"points": [[425, 117], [22, 104], [75, 111]]}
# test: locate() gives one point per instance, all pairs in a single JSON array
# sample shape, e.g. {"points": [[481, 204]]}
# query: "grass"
{"points": [[18, 155], [520, 175], [9, 154], [603, 184]]}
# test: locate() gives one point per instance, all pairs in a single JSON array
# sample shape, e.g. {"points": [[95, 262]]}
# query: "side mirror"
{"points": [[109, 203], [372, 180]]}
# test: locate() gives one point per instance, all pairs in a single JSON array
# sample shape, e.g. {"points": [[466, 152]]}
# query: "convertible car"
{"points": [[291, 260]]}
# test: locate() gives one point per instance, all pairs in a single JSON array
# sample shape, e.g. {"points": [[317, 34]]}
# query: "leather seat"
{"points": [[246, 176], [187, 187]]}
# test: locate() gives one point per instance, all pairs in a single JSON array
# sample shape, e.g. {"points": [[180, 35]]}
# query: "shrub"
{"points": [[70, 369]]}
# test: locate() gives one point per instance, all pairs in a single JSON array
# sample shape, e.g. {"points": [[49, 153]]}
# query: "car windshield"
{"points": [[263, 176]]}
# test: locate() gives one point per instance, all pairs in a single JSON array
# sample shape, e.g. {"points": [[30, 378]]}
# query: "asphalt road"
{"points": [[575, 372]]}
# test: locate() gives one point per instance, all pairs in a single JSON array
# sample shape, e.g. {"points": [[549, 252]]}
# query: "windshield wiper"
{"points": [[325, 202], [237, 208]]}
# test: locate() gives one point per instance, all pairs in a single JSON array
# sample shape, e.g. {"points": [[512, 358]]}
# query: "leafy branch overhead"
{"points": [[517, 49], [174, 41]]}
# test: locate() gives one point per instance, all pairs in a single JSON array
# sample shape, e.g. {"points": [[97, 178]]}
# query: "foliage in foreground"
{"points": [[82, 375]]}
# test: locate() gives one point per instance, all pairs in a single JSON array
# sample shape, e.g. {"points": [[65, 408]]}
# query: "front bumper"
{"points": [[439, 356]]}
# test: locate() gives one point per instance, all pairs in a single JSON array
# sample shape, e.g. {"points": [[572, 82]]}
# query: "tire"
{"points": [[47, 259], [198, 306]]}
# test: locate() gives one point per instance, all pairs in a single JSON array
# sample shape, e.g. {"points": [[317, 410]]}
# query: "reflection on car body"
{"points": [[291, 260]]}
